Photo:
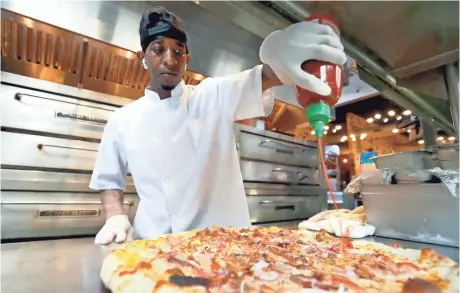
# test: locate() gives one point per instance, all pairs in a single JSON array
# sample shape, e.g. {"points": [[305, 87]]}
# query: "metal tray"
{"points": [[426, 213], [447, 155], [412, 160]]}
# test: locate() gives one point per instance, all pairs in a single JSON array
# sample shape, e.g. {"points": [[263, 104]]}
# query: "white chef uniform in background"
{"points": [[182, 155]]}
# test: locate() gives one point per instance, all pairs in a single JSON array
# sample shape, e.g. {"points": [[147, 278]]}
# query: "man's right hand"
{"points": [[116, 227]]}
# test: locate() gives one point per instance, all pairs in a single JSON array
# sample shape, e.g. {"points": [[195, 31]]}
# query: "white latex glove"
{"points": [[117, 227], [285, 51]]}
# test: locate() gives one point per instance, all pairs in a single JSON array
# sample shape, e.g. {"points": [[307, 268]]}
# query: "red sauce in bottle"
{"points": [[330, 73]]}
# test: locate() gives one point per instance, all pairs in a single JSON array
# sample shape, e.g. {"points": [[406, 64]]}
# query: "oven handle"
{"points": [[299, 174], [281, 205], [286, 147], [80, 118], [18, 97], [40, 146], [279, 202], [128, 202]]}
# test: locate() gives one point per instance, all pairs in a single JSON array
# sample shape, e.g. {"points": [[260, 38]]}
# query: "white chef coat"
{"points": [[181, 153]]}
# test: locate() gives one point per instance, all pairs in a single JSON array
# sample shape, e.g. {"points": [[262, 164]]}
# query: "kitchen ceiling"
{"points": [[407, 36]]}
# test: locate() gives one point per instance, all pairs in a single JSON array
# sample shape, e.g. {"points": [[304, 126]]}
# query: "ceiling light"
{"points": [[421, 141], [325, 132], [391, 113], [377, 116], [326, 127], [385, 120], [352, 135], [312, 132], [345, 161], [343, 138], [440, 138], [395, 130], [399, 117], [363, 136], [370, 120], [334, 130], [408, 131], [451, 138], [338, 127], [353, 138], [407, 112]]}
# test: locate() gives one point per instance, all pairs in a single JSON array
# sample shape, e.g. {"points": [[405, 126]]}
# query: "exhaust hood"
{"points": [[39, 50]]}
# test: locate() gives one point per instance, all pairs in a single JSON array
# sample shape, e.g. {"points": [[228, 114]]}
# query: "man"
{"points": [[178, 140]]}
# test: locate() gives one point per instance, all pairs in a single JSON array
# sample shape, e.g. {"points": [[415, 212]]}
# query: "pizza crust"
{"points": [[109, 266]]}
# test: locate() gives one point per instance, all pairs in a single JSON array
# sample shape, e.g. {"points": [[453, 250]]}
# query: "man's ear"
{"points": [[187, 59], [140, 55]]}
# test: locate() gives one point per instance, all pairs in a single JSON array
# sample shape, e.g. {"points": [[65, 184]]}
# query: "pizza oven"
{"points": [[281, 175], [50, 135]]}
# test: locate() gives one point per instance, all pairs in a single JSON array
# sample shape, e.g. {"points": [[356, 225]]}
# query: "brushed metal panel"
{"points": [[284, 224], [36, 151], [257, 147], [21, 81], [283, 208], [426, 213], [52, 113], [258, 188], [241, 128], [47, 214], [275, 173], [406, 34], [31, 180]]}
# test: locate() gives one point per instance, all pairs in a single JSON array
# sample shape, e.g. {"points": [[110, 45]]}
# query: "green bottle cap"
{"points": [[318, 115]]}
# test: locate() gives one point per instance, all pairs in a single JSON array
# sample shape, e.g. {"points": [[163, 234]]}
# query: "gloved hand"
{"points": [[285, 51], [117, 227]]}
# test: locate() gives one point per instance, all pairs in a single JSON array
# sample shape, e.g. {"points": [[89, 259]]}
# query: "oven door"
{"points": [[55, 214]]}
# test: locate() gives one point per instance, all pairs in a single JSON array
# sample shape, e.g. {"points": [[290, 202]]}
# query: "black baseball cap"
{"points": [[159, 24]]}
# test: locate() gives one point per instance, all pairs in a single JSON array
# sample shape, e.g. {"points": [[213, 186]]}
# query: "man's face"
{"points": [[166, 60]]}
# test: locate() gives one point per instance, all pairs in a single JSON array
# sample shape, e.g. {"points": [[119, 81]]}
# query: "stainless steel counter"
{"points": [[68, 265], [73, 265]]}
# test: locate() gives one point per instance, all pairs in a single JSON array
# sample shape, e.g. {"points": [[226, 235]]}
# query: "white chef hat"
{"points": [[333, 150]]}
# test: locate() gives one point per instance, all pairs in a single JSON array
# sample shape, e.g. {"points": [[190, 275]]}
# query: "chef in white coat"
{"points": [[177, 140]]}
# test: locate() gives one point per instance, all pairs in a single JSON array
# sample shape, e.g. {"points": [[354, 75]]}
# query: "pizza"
{"points": [[273, 260]]}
